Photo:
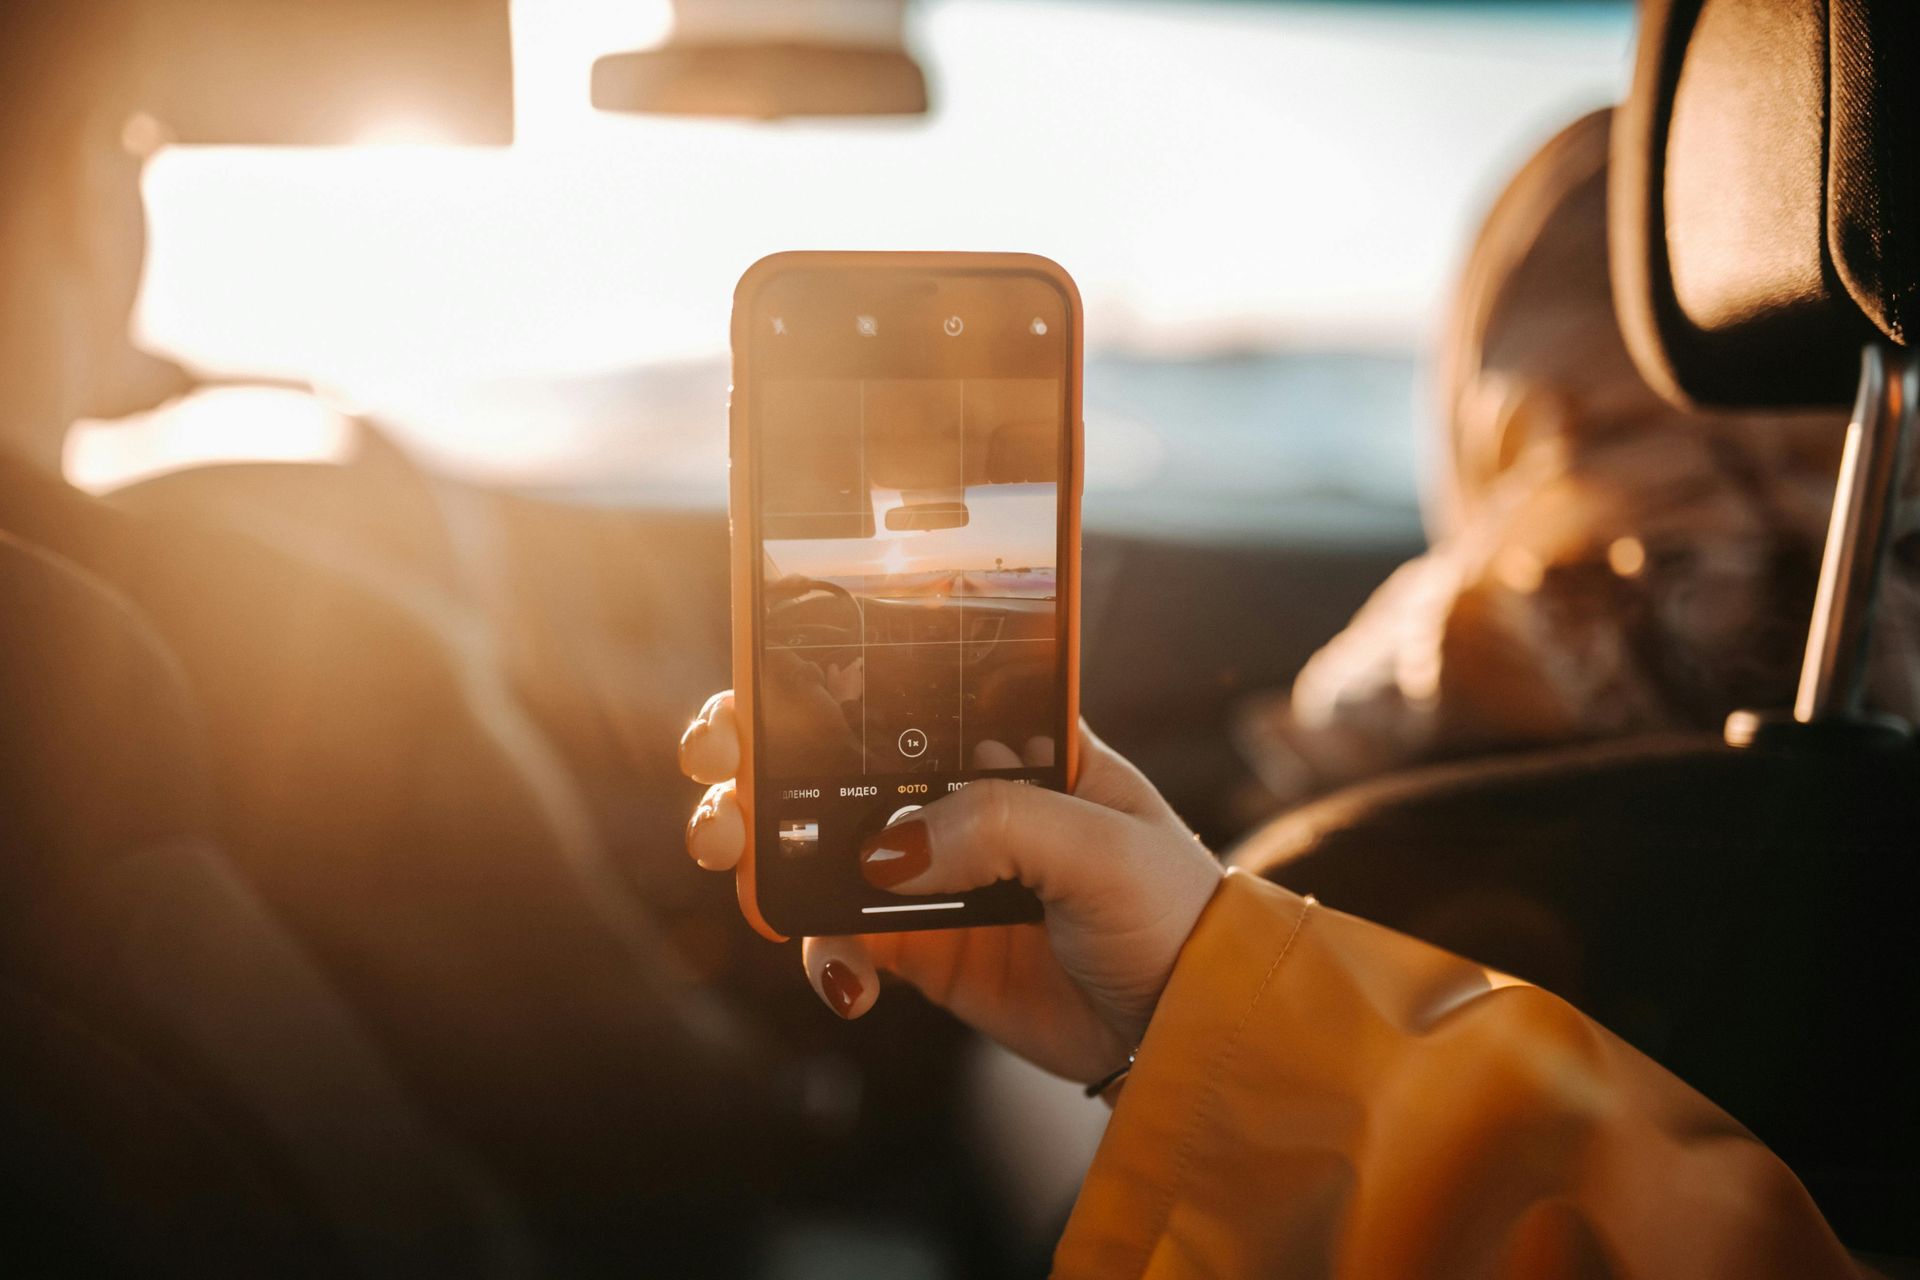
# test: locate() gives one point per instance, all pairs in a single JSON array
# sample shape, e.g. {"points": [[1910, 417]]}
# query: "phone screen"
{"points": [[911, 465]]}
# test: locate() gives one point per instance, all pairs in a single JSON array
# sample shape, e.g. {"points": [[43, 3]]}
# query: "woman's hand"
{"points": [[1121, 877]]}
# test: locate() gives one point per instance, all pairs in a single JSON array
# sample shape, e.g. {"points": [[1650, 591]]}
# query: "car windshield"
{"points": [[1263, 204]]}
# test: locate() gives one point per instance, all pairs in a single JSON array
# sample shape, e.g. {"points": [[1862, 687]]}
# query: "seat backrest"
{"points": [[1741, 916], [383, 791], [210, 1097], [1764, 208]]}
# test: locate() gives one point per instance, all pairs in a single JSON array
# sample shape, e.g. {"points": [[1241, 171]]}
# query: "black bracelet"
{"points": [[1112, 1077]]}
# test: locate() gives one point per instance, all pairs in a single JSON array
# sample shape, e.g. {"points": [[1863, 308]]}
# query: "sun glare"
{"points": [[1225, 214], [217, 424], [555, 43], [402, 131], [1309, 184]]}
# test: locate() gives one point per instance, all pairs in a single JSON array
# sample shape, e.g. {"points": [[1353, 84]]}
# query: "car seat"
{"points": [[1738, 907], [180, 1089]]}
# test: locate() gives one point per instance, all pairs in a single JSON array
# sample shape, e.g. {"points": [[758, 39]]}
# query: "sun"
{"points": [[895, 558]]}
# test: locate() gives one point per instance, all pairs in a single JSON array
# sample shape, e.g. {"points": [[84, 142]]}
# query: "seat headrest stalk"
{"points": [[1882, 430]]}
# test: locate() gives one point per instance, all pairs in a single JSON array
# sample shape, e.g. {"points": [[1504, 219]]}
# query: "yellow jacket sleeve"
{"points": [[1320, 1096]]}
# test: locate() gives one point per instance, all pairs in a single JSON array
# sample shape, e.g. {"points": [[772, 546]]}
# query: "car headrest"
{"points": [[1765, 196]]}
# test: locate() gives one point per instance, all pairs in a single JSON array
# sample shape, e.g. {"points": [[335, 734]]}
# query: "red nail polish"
{"points": [[895, 855], [841, 987]]}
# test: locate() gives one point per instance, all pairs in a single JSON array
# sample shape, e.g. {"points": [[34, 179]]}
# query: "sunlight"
{"points": [[1315, 180], [554, 45], [1310, 186], [215, 424], [403, 131]]}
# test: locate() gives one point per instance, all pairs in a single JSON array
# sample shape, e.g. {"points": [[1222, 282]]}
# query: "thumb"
{"points": [[993, 830], [1110, 780]]}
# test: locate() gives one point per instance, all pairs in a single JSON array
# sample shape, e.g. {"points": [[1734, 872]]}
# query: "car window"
{"points": [[1263, 204]]}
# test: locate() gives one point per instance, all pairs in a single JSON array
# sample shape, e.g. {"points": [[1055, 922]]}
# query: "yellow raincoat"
{"points": [[1320, 1096]]}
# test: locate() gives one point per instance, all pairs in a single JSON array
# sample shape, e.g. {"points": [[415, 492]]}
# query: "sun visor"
{"points": [[326, 72]]}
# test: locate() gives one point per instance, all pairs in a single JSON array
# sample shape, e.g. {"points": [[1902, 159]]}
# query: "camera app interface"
{"points": [[909, 460]]}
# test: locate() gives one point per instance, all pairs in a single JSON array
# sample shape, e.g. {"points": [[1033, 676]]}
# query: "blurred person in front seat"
{"points": [[375, 779], [1603, 564]]}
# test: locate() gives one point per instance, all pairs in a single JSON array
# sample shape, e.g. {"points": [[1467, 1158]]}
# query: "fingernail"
{"points": [[841, 987], [694, 730], [700, 814], [895, 855]]}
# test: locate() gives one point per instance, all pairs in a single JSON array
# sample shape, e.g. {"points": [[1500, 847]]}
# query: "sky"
{"points": [[1214, 175], [1220, 178]]}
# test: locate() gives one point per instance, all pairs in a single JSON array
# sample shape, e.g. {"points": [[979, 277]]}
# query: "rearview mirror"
{"points": [[760, 61], [914, 516]]}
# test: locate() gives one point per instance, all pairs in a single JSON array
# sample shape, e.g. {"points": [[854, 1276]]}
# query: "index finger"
{"points": [[710, 748]]}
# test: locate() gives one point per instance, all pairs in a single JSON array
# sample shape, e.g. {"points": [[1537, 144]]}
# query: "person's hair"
{"points": [[54, 60], [1533, 308], [1533, 326]]}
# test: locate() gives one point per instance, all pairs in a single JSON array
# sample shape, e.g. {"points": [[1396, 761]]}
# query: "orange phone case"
{"points": [[741, 516]]}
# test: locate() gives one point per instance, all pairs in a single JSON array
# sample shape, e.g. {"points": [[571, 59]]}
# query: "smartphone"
{"points": [[905, 509]]}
